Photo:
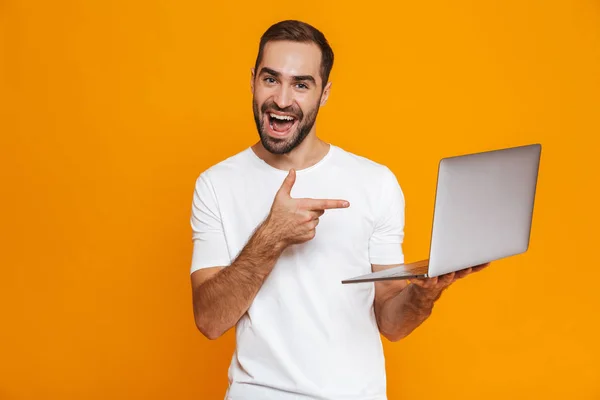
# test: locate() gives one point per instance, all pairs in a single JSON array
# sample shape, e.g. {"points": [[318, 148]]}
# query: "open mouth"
{"points": [[281, 124]]}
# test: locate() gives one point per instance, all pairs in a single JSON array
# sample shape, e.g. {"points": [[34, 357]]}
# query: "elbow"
{"points": [[392, 338], [207, 329], [211, 335], [395, 337], [401, 332]]}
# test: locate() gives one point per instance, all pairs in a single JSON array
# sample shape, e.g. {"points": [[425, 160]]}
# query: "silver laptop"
{"points": [[483, 212]]}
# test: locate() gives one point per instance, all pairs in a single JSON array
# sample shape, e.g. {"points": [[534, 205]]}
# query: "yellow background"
{"points": [[110, 109]]}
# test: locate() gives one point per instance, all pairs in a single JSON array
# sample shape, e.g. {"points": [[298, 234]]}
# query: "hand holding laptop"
{"points": [[429, 290], [439, 283]]}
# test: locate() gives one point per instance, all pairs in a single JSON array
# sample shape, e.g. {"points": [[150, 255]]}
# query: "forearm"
{"points": [[399, 315], [225, 297]]}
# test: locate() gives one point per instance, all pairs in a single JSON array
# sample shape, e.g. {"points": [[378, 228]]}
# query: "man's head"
{"points": [[289, 83]]}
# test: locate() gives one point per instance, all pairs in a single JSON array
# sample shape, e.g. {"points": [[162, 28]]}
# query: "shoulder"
{"points": [[364, 167], [229, 168], [375, 178], [227, 173]]}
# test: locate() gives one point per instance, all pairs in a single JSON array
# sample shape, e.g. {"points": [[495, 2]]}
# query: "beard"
{"points": [[283, 146]]}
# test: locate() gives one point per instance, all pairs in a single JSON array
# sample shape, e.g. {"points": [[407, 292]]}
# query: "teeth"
{"points": [[282, 117]]}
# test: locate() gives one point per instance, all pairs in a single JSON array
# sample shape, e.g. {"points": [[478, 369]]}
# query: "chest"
{"points": [[246, 205]]}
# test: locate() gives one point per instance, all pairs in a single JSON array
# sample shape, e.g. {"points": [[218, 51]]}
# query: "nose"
{"points": [[283, 97]]}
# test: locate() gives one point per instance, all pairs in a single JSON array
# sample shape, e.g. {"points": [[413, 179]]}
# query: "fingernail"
{"points": [[346, 204]]}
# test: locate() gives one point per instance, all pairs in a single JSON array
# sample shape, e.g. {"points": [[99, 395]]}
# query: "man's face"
{"points": [[287, 93]]}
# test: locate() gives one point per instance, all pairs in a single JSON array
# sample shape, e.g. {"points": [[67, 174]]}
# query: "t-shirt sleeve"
{"points": [[385, 244], [208, 238]]}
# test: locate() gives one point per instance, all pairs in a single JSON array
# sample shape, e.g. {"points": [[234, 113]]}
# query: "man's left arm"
{"points": [[402, 305]]}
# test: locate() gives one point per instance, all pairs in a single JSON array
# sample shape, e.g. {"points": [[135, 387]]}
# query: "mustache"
{"points": [[271, 106]]}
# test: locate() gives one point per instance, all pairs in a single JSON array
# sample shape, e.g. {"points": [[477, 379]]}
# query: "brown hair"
{"points": [[298, 31]]}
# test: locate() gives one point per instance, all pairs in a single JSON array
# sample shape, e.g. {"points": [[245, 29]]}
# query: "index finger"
{"points": [[324, 204]]}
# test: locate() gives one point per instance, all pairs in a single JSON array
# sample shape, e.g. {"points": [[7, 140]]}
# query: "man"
{"points": [[277, 226]]}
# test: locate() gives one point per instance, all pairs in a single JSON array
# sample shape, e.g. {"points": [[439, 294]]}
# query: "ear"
{"points": [[325, 94], [252, 79]]}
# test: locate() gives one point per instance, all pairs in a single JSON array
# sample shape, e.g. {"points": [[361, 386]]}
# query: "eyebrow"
{"points": [[296, 78]]}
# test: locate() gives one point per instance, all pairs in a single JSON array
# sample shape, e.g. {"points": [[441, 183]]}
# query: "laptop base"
{"points": [[416, 269]]}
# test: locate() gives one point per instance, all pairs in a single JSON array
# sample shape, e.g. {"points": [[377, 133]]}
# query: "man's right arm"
{"points": [[221, 295]]}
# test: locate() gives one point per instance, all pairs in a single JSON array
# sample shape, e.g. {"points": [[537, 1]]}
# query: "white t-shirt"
{"points": [[306, 335]]}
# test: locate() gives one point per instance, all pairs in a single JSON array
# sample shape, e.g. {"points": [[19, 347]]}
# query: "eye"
{"points": [[269, 79], [302, 86]]}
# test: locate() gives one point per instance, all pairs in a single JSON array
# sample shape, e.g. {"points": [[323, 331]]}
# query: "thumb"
{"points": [[288, 183]]}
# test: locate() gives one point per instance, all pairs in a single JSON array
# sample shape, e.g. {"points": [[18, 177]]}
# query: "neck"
{"points": [[308, 153]]}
